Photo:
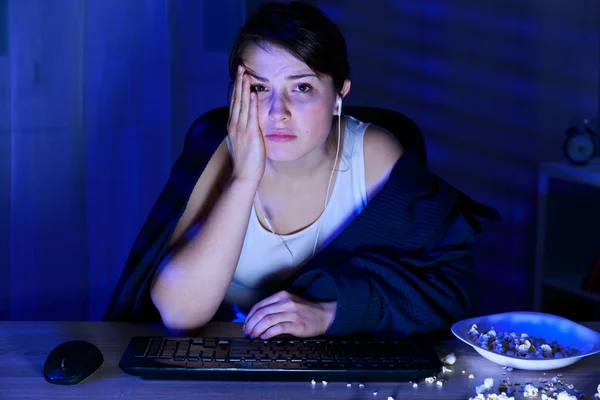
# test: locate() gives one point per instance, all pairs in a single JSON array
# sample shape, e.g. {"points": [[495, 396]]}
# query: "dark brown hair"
{"points": [[302, 30]]}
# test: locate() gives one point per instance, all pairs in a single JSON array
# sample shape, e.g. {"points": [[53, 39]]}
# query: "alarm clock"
{"points": [[580, 145]]}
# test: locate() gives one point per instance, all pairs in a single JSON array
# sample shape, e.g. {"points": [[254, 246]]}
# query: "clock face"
{"points": [[580, 148]]}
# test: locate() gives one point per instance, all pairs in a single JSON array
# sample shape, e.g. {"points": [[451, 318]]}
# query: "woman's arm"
{"points": [[377, 292], [192, 281]]}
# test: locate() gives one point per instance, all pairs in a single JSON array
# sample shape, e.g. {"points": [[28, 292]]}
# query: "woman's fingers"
{"points": [[271, 320], [234, 109], [245, 100], [253, 115], [274, 298]]}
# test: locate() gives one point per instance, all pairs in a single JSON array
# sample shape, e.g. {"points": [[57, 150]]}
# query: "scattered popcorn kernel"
{"points": [[530, 391], [313, 382], [565, 396], [481, 389], [348, 385], [375, 393], [464, 372], [324, 383], [488, 383], [444, 369], [361, 386], [471, 376], [415, 385], [450, 359], [390, 398], [430, 379]]}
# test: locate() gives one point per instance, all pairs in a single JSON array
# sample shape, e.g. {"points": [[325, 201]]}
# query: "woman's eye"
{"points": [[258, 88], [303, 87]]}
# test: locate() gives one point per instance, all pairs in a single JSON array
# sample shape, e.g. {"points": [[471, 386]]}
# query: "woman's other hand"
{"points": [[248, 146], [285, 313]]}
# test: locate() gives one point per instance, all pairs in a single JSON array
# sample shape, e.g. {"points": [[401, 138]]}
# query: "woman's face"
{"points": [[295, 106]]}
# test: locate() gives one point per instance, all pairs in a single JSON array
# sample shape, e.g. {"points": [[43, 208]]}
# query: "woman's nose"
{"points": [[278, 111]]}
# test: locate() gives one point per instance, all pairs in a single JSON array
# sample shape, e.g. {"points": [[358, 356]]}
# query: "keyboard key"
{"points": [[139, 346]]}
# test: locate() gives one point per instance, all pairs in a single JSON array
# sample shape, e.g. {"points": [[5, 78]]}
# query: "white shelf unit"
{"points": [[568, 239]]}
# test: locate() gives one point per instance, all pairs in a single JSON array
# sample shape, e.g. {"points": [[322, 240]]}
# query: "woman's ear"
{"points": [[346, 88]]}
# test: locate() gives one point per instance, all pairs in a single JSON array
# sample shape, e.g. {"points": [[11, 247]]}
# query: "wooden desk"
{"points": [[25, 345]]}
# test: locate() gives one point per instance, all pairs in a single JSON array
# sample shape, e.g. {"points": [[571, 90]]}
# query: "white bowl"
{"points": [[540, 325]]}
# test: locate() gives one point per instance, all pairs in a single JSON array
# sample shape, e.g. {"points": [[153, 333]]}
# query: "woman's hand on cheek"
{"points": [[285, 313]]}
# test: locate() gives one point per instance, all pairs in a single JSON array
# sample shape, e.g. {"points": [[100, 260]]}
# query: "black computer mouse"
{"points": [[71, 362]]}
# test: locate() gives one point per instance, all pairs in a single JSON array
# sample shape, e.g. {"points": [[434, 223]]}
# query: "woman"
{"points": [[290, 176]]}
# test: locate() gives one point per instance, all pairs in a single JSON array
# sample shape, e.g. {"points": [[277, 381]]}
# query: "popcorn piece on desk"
{"points": [[444, 369], [464, 372], [492, 396], [565, 396], [324, 383], [430, 379], [390, 398], [415, 385], [313, 382], [487, 386], [530, 390], [481, 389], [450, 359], [348, 385], [361, 386], [471, 376]]}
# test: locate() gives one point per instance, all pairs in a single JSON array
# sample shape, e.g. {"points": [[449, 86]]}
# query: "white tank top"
{"points": [[265, 262]]}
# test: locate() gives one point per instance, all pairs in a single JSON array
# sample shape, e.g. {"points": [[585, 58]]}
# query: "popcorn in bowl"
{"points": [[518, 345]]}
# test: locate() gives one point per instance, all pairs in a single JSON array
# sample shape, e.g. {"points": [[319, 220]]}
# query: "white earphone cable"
{"points": [[337, 152]]}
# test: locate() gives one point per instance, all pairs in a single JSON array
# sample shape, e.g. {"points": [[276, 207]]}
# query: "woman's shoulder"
{"points": [[381, 152]]}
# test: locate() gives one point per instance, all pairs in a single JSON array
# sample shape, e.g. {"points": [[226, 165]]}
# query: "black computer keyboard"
{"points": [[244, 359]]}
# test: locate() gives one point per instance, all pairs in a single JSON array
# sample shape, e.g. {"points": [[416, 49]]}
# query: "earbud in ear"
{"points": [[339, 105]]}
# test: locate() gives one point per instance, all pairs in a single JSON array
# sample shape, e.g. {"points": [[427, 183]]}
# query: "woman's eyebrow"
{"points": [[289, 77]]}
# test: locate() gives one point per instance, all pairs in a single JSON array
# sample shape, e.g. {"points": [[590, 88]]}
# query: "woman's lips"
{"points": [[280, 136]]}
